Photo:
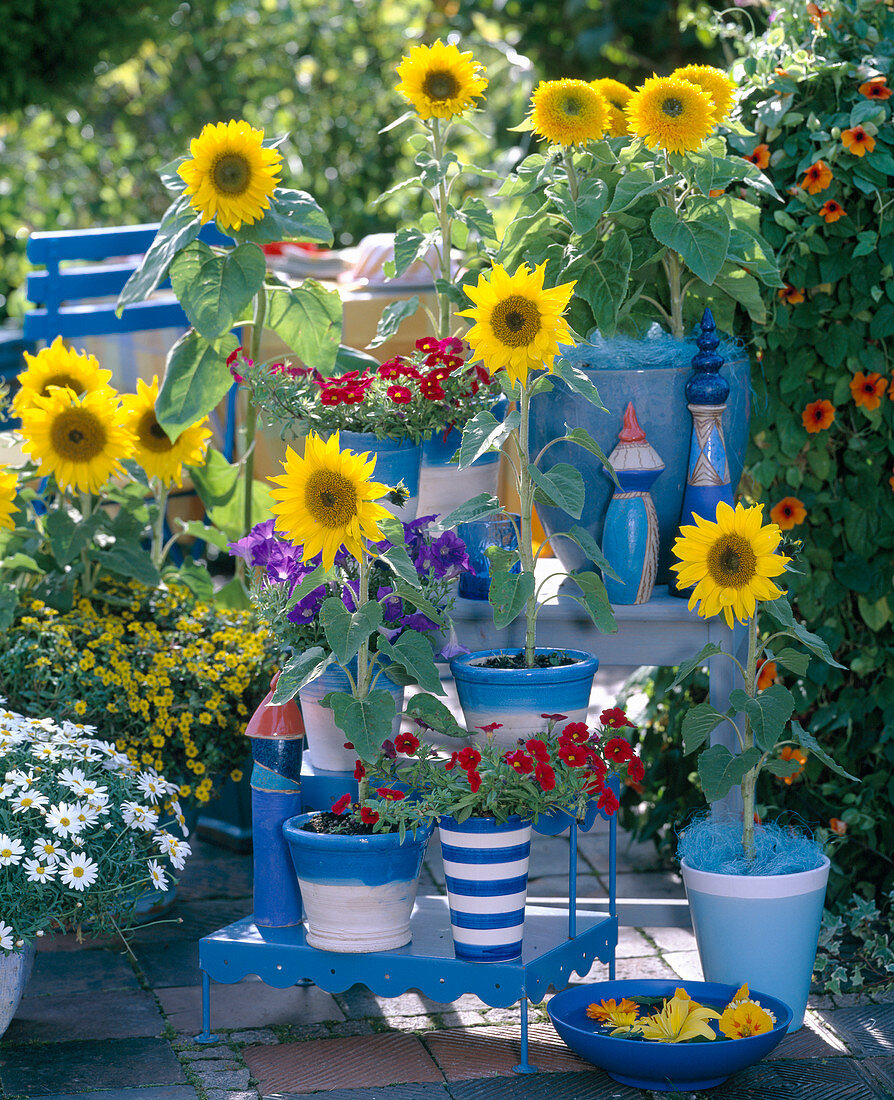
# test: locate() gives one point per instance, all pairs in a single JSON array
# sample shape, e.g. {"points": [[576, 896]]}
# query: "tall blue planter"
{"points": [[275, 797], [396, 461]]}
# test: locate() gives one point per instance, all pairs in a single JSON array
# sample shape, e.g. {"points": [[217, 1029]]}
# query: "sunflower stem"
{"points": [[251, 413], [363, 669], [525, 485], [749, 782], [89, 567], [571, 171], [442, 211], [158, 534]]}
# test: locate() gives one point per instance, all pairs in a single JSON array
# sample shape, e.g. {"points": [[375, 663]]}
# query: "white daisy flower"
{"points": [[6, 789], [23, 779], [178, 853], [86, 814], [71, 778], [44, 750], [99, 803], [11, 850], [39, 870], [181, 817], [88, 790], [28, 800], [139, 817], [62, 819], [6, 940], [157, 875], [46, 848], [78, 871], [151, 786]]}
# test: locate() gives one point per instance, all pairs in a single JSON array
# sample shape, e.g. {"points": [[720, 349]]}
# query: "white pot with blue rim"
{"points": [[516, 698], [358, 891], [397, 460], [486, 871], [443, 486], [760, 929], [15, 970], [325, 741]]}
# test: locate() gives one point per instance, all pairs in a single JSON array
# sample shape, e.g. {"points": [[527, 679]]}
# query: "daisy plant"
{"points": [[730, 564]]}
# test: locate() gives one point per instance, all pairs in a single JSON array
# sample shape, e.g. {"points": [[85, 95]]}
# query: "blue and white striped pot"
{"points": [[358, 891], [517, 697], [396, 460], [486, 869]]}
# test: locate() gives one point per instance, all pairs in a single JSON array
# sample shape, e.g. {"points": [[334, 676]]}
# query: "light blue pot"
{"points": [[358, 891], [396, 461], [15, 970], [760, 929]]}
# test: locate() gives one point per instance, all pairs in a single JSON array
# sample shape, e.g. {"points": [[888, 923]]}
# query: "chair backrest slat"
{"points": [[75, 283], [74, 322]]}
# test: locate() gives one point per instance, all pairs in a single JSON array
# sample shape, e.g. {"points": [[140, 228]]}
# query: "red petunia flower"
{"points": [[554, 717], [407, 743], [607, 802], [578, 732], [868, 389], [342, 804], [618, 750], [520, 761], [545, 776], [474, 780], [390, 794], [400, 395], [538, 749], [368, 816], [818, 415], [636, 770], [614, 718], [469, 758]]}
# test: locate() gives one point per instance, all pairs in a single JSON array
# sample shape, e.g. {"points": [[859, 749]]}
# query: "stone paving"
{"points": [[99, 1024]]}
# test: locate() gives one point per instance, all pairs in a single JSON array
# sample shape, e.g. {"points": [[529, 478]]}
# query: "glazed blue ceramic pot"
{"points": [[396, 461]]}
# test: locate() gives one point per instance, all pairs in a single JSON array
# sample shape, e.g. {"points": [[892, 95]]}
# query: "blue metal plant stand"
{"points": [[557, 943]]}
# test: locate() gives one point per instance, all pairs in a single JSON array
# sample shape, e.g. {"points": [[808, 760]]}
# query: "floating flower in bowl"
{"points": [[661, 1036]]}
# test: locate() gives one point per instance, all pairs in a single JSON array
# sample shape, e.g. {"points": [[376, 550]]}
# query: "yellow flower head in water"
{"points": [[730, 562], [8, 482], [231, 176], [58, 365], [439, 81], [617, 96], [714, 82], [158, 455], [81, 441], [518, 323], [326, 500], [670, 114], [681, 1019], [743, 1017], [619, 1014], [568, 112]]}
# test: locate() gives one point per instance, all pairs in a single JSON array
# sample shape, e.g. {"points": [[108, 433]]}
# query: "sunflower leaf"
{"points": [[710, 649], [346, 632], [582, 438], [781, 610], [366, 723], [793, 660], [635, 185], [482, 506], [196, 380], [562, 486], [309, 320], [293, 216], [700, 236], [700, 721], [484, 433], [719, 770], [575, 379], [810, 744], [590, 547], [434, 714], [508, 594], [179, 225], [214, 289], [769, 712], [392, 317], [398, 561], [412, 651], [595, 600]]}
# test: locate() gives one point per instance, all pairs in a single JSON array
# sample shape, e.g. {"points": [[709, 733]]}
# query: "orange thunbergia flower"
{"points": [[817, 178], [766, 673], [818, 415], [868, 389], [817, 14], [876, 88], [831, 211], [791, 294], [787, 513], [715, 194], [857, 141], [759, 155], [838, 826], [788, 753]]}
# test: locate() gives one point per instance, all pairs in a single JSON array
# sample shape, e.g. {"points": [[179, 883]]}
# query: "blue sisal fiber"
{"points": [[716, 846]]}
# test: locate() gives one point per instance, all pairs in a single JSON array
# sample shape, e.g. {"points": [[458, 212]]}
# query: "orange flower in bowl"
{"points": [[868, 389]]}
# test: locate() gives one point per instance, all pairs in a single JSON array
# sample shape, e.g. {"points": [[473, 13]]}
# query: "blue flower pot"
{"points": [[486, 871], [358, 891], [396, 461], [517, 697]]}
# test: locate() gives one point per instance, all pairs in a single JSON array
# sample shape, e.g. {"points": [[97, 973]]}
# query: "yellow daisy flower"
{"points": [[58, 365], [670, 114], [439, 81], [8, 483], [158, 455], [326, 499], [714, 82], [81, 441], [568, 112], [231, 176], [730, 562], [617, 96], [518, 324]]}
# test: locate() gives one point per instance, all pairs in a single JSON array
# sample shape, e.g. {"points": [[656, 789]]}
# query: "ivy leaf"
{"points": [[719, 770], [710, 649], [366, 723], [413, 652], [699, 723], [810, 744], [345, 632], [299, 671]]}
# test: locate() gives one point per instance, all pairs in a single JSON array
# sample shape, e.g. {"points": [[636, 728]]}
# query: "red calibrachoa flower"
{"points": [[331, 395], [469, 758], [868, 390], [554, 717], [578, 732], [818, 415], [342, 804], [490, 729], [760, 156], [575, 756], [875, 88], [817, 178], [520, 761], [831, 211], [766, 674], [431, 388], [791, 295], [407, 743], [359, 771], [390, 794], [615, 718], [618, 750], [368, 816], [545, 776], [857, 141], [452, 762], [400, 395], [538, 749], [607, 802], [788, 513], [636, 770], [474, 780]]}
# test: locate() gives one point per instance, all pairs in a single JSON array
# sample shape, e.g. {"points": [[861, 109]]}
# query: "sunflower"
{"points": [[714, 83], [326, 499], [730, 562], [568, 112], [58, 365], [81, 441], [440, 81], [158, 455], [671, 114], [518, 324], [8, 483], [617, 96], [231, 175]]}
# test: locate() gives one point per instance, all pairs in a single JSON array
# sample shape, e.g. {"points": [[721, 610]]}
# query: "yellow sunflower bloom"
{"points": [[518, 323], [730, 562], [81, 441], [568, 112], [158, 455], [714, 82], [617, 96], [681, 1019], [8, 483], [439, 81], [670, 114], [231, 176], [58, 365], [326, 499]]}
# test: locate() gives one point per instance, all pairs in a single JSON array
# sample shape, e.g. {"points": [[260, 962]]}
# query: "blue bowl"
{"points": [[662, 1067]]}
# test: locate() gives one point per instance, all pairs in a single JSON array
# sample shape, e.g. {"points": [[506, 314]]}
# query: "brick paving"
{"points": [[99, 1024]]}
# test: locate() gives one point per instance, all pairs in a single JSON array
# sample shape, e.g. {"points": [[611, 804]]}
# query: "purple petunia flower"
{"points": [[446, 557], [307, 608], [392, 606], [420, 622]]}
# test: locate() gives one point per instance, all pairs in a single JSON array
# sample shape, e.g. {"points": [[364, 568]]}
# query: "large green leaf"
{"points": [[698, 724], [781, 611], [410, 245], [793, 660], [299, 671], [483, 433], [595, 600], [508, 594], [215, 289], [808, 742], [346, 632], [179, 226], [634, 185], [309, 320], [745, 290], [9, 602], [196, 380], [751, 251], [366, 723], [398, 560], [482, 506], [590, 547], [710, 649], [413, 652], [603, 284], [229, 517], [293, 216], [768, 712], [575, 379], [562, 486], [196, 578], [585, 211], [700, 236], [393, 316], [582, 438], [216, 480], [719, 770], [433, 713], [127, 561], [67, 538]]}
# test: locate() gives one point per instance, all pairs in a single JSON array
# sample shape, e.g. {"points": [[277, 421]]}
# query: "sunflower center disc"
{"points": [[62, 380], [572, 106], [516, 321], [731, 561], [440, 85], [330, 498], [77, 436], [151, 434], [672, 107], [231, 173]]}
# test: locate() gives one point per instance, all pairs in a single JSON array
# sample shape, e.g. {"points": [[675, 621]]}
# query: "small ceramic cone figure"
{"points": [[277, 738], [630, 539]]}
